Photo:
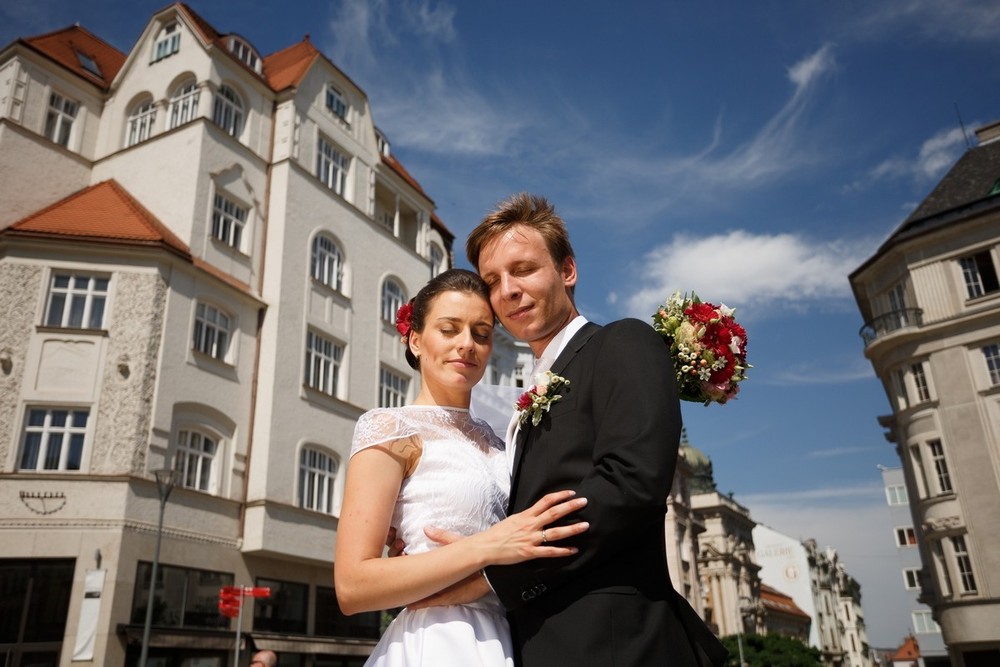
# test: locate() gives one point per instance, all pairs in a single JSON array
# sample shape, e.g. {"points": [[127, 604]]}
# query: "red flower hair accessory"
{"points": [[404, 321]]}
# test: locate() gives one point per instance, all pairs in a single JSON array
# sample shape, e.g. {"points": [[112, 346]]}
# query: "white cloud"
{"points": [[961, 20], [835, 452], [935, 156], [822, 372], [747, 269], [419, 95]]}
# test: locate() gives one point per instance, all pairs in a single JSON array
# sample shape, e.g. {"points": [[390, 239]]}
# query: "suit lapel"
{"points": [[572, 348]]}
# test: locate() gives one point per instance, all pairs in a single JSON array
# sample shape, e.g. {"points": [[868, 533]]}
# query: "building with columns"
{"points": [[202, 250], [930, 299]]}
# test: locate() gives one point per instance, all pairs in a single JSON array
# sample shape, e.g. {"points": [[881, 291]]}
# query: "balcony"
{"points": [[889, 322]]}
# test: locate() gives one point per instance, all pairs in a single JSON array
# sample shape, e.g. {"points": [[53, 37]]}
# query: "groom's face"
{"points": [[528, 291]]}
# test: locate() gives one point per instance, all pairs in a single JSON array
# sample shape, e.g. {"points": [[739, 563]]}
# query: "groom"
{"points": [[613, 436]]}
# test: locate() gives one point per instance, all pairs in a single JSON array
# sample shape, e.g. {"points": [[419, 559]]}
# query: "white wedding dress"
{"points": [[460, 484]]}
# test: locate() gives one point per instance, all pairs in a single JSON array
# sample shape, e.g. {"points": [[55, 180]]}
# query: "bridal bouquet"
{"points": [[708, 346]]}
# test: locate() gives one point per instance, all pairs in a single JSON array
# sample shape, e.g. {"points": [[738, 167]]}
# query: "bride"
{"points": [[433, 464]]}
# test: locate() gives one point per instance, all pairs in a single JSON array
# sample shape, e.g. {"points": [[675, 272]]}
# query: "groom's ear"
{"points": [[569, 271]]}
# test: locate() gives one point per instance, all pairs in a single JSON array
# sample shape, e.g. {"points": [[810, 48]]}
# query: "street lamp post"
{"points": [[166, 479]]}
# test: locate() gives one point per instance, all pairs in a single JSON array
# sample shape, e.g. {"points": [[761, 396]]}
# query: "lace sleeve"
{"points": [[380, 426]]}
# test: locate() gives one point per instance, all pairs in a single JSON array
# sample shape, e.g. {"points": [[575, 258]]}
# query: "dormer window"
{"points": [[244, 53], [382, 143], [168, 42], [88, 63], [336, 102]]}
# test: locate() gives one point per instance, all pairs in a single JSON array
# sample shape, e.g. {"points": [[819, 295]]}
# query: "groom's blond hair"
{"points": [[532, 211]]}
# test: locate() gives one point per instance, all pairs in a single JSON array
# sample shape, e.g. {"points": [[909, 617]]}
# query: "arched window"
{"points": [[437, 259], [228, 111], [184, 104], [317, 478], [245, 53], [327, 262], [168, 41], [195, 459], [392, 298], [140, 122]]}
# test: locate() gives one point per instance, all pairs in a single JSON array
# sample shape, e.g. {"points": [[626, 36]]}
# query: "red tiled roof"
{"points": [[103, 212], [107, 213], [441, 227], [910, 650], [67, 45], [774, 599], [287, 67], [395, 165]]}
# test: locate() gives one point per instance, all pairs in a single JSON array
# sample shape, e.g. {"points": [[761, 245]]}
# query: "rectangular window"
{"points": [[330, 621], [906, 537], [991, 353], [59, 121], [911, 578], [940, 466], [331, 167], [896, 494], [53, 439], [285, 611], [76, 301], [920, 382], [317, 475], [924, 623], [336, 103], [194, 459], [323, 358], [228, 221], [37, 590], [183, 597], [964, 563], [211, 331], [392, 389], [979, 274]]}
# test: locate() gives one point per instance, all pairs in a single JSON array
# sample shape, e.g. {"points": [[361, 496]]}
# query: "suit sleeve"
{"points": [[636, 423]]}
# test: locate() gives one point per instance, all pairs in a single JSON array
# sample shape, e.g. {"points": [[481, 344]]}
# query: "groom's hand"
{"points": [[395, 545], [469, 589]]}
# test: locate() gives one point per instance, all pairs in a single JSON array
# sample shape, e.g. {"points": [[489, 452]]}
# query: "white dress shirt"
{"points": [[542, 364]]}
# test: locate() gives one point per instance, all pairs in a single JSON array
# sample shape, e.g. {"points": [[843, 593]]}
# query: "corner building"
{"points": [[202, 250], [930, 299]]}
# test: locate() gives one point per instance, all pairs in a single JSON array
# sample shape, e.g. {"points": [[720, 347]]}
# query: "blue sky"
{"points": [[753, 152]]}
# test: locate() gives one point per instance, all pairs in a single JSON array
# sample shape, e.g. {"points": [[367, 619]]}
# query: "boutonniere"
{"points": [[540, 397]]}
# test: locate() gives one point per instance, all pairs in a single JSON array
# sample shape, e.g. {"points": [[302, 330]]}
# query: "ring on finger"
{"points": [[544, 539]]}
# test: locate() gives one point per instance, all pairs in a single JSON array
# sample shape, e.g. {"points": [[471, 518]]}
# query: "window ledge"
{"points": [[329, 289], [42, 328], [207, 362], [325, 401], [233, 251]]}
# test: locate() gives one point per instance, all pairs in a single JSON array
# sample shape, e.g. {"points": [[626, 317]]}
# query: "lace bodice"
{"points": [[461, 481]]}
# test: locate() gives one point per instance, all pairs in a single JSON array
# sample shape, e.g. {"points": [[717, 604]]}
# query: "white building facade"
{"points": [[202, 250]]}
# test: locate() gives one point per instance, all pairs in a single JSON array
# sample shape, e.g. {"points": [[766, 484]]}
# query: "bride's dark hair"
{"points": [[452, 280]]}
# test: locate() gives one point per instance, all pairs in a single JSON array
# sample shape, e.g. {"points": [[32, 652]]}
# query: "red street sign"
{"points": [[230, 598], [257, 592]]}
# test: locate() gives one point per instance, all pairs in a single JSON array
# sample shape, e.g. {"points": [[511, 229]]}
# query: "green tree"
{"points": [[771, 651]]}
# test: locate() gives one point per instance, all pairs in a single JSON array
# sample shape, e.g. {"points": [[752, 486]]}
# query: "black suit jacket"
{"points": [[614, 438]]}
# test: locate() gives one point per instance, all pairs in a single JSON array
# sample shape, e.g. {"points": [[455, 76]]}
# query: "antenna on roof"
{"points": [[965, 135]]}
